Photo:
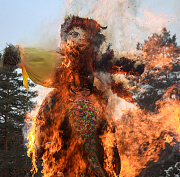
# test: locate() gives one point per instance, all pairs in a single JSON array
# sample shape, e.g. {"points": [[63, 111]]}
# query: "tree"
{"points": [[160, 54], [13, 107], [13, 102], [159, 84]]}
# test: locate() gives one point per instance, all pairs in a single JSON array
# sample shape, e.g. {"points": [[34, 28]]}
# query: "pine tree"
{"points": [[13, 102], [160, 81], [160, 54], [13, 108]]}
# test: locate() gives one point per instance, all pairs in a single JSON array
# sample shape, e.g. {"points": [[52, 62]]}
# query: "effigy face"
{"points": [[78, 36]]}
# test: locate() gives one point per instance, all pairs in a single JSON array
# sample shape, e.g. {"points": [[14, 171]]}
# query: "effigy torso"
{"points": [[84, 112], [79, 112]]}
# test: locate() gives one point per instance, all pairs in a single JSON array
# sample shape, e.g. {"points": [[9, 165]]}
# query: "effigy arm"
{"points": [[125, 66]]}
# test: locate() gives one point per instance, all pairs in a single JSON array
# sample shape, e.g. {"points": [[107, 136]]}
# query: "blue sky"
{"points": [[23, 20], [27, 21]]}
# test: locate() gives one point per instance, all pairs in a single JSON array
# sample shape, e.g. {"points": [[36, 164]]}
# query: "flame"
{"points": [[176, 121], [142, 136], [66, 65], [158, 59], [126, 168], [108, 140], [31, 145], [143, 129], [169, 139], [171, 114]]}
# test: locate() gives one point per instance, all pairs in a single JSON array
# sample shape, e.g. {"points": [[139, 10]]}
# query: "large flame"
{"points": [[31, 143], [141, 136]]}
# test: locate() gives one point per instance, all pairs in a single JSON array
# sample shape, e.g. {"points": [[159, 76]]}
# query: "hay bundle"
{"points": [[11, 56]]}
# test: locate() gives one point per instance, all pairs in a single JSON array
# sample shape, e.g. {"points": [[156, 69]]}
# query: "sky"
{"points": [[24, 21], [27, 22], [36, 22]]}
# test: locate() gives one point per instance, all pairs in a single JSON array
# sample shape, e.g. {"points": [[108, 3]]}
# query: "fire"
{"points": [[176, 120], [140, 136], [169, 139], [171, 114], [31, 145], [108, 140], [126, 167]]}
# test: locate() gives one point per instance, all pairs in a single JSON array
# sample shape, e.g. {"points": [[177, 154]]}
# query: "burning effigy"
{"points": [[74, 116], [69, 134], [74, 132]]}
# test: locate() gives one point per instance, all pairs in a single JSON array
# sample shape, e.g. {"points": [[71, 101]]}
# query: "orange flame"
{"points": [[142, 136], [31, 146]]}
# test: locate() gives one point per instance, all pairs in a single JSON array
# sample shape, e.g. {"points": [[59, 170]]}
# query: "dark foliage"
{"points": [[13, 108], [159, 84], [156, 80], [13, 105], [11, 56]]}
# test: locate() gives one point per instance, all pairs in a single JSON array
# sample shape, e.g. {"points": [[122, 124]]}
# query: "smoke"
{"points": [[127, 20], [43, 91], [114, 14], [47, 37], [118, 16]]}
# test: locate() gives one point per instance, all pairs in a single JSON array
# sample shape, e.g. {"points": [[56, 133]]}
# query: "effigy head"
{"points": [[89, 25], [81, 32]]}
